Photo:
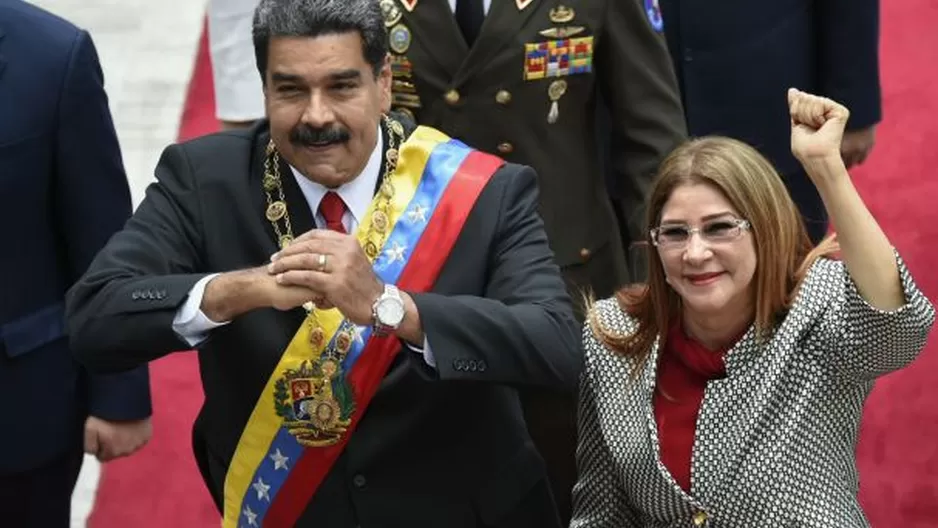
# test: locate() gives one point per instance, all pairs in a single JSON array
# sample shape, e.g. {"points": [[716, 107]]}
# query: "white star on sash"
{"points": [[280, 461], [357, 334], [252, 517], [417, 214], [395, 253], [261, 489]]}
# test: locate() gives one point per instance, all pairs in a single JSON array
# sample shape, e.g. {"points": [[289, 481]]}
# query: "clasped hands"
{"points": [[328, 268]]}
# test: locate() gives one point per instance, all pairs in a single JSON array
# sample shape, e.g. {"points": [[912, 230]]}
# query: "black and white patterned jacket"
{"points": [[775, 439]]}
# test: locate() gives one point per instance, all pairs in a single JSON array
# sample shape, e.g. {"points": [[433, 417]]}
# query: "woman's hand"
{"points": [[817, 128]]}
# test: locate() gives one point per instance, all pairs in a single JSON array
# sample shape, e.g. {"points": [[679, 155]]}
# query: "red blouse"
{"points": [[683, 372]]}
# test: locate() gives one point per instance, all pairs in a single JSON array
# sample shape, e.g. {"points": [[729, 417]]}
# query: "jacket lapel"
{"points": [[503, 23], [432, 22]]}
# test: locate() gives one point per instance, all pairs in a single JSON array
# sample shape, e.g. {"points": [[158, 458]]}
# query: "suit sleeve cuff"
{"points": [[190, 323]]}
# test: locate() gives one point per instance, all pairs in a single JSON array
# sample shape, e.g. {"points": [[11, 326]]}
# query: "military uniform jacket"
{"points": [[499, 96], [775, 438]]}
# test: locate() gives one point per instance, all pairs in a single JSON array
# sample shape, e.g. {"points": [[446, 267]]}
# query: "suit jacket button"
{"points": [[473, 366], [451, 97], [135, 295], [505, 148], [457, 364], [585, 254], [359, 481], [503, 97], [482, 365]]}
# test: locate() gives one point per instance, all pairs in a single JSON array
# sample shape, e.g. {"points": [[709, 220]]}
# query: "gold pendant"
{"points": [[317, 336], [371, 250], [555, 91], [276, 210], [396, 127], [270, 182], [343, 342], [379, 221], [285, 241], [391, 155]]}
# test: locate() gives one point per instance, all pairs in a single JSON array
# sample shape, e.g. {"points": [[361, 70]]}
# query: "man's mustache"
{"points": [[307, 136]]}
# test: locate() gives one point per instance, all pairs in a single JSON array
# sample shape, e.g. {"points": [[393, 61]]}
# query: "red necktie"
{"points": [[332, 208]]}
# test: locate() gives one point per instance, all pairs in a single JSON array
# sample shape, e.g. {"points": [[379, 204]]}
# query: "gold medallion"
{"points": [[392, 13], [561, 14], [399, 39], [316, 337], [343, 342], [276, 210], [270, 182], [556, 89], [391, 155], [371, 250], [387, 189], [285, 241], [379, 221], [396, 127]]}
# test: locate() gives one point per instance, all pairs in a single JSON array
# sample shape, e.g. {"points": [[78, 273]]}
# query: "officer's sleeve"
{"points": [[639, 86]]}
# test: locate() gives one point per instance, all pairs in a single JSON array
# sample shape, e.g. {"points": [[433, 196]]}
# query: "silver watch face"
{"points": [[390, 312]]}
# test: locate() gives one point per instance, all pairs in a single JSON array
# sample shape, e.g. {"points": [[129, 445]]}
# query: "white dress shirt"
{"points": [[486, 4], [191, 324]]}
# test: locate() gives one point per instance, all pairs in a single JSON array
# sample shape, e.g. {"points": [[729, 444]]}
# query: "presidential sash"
{"points": [[312, 402]]}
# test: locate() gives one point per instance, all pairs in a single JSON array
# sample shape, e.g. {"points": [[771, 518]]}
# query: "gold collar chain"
{"points": [[278, 215]]}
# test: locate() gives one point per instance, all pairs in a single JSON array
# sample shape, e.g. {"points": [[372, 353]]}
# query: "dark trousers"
{"points": [[805, 195], [40, 497]]}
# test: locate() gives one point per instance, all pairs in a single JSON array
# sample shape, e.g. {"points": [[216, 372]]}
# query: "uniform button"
{"points": [[503, 97], [585, 254], [700, 518], [359, 481], [451, 97], [506, 148]]}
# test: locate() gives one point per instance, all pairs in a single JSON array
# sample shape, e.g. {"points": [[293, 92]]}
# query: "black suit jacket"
{"points": [[437, 447], [63, 193], [736, 59]]}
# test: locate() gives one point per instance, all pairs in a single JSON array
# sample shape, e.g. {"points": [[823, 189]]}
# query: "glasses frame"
{"points": [[742, 224]]}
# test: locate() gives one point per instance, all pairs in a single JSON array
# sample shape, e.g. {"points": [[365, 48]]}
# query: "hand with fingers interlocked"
{"points": [[334, 266]]}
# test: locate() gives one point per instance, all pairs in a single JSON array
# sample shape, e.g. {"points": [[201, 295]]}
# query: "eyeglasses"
{"points": [[677, 235]]}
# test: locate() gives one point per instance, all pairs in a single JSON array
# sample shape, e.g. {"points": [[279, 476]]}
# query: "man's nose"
{"points": [[318, 112]]}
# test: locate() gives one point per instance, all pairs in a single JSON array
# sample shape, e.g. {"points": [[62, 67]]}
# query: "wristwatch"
{"points": [[387, 311]]}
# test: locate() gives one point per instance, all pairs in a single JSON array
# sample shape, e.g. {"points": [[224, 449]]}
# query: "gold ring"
{"points": [[322, 262]]}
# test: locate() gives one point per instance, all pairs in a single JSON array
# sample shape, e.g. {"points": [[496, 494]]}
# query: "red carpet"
{"points": [[898, 451]]}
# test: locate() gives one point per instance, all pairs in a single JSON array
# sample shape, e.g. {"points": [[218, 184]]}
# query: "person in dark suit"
{"points": [[735, 61], [63, 193], [522, 79], [285, 341]]}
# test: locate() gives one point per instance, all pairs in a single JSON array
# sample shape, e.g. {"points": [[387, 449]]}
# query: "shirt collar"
{"points": [[357, 194]]}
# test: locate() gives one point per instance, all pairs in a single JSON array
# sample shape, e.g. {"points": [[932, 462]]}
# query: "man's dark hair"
{"points": [[313, 18]]}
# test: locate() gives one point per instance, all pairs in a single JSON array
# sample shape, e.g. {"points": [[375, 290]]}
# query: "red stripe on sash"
{"points": [[419, 274]]}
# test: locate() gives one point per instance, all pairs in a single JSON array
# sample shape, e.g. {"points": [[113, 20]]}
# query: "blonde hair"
{"points": [[784, 252]]}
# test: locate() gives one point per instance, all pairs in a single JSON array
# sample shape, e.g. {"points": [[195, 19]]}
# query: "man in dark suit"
{"points": [[480, 307], [736, 60], [522, 79], [63, 193]]}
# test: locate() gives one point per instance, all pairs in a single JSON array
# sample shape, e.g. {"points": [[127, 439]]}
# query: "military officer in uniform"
{"points": [[520, 79]]}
